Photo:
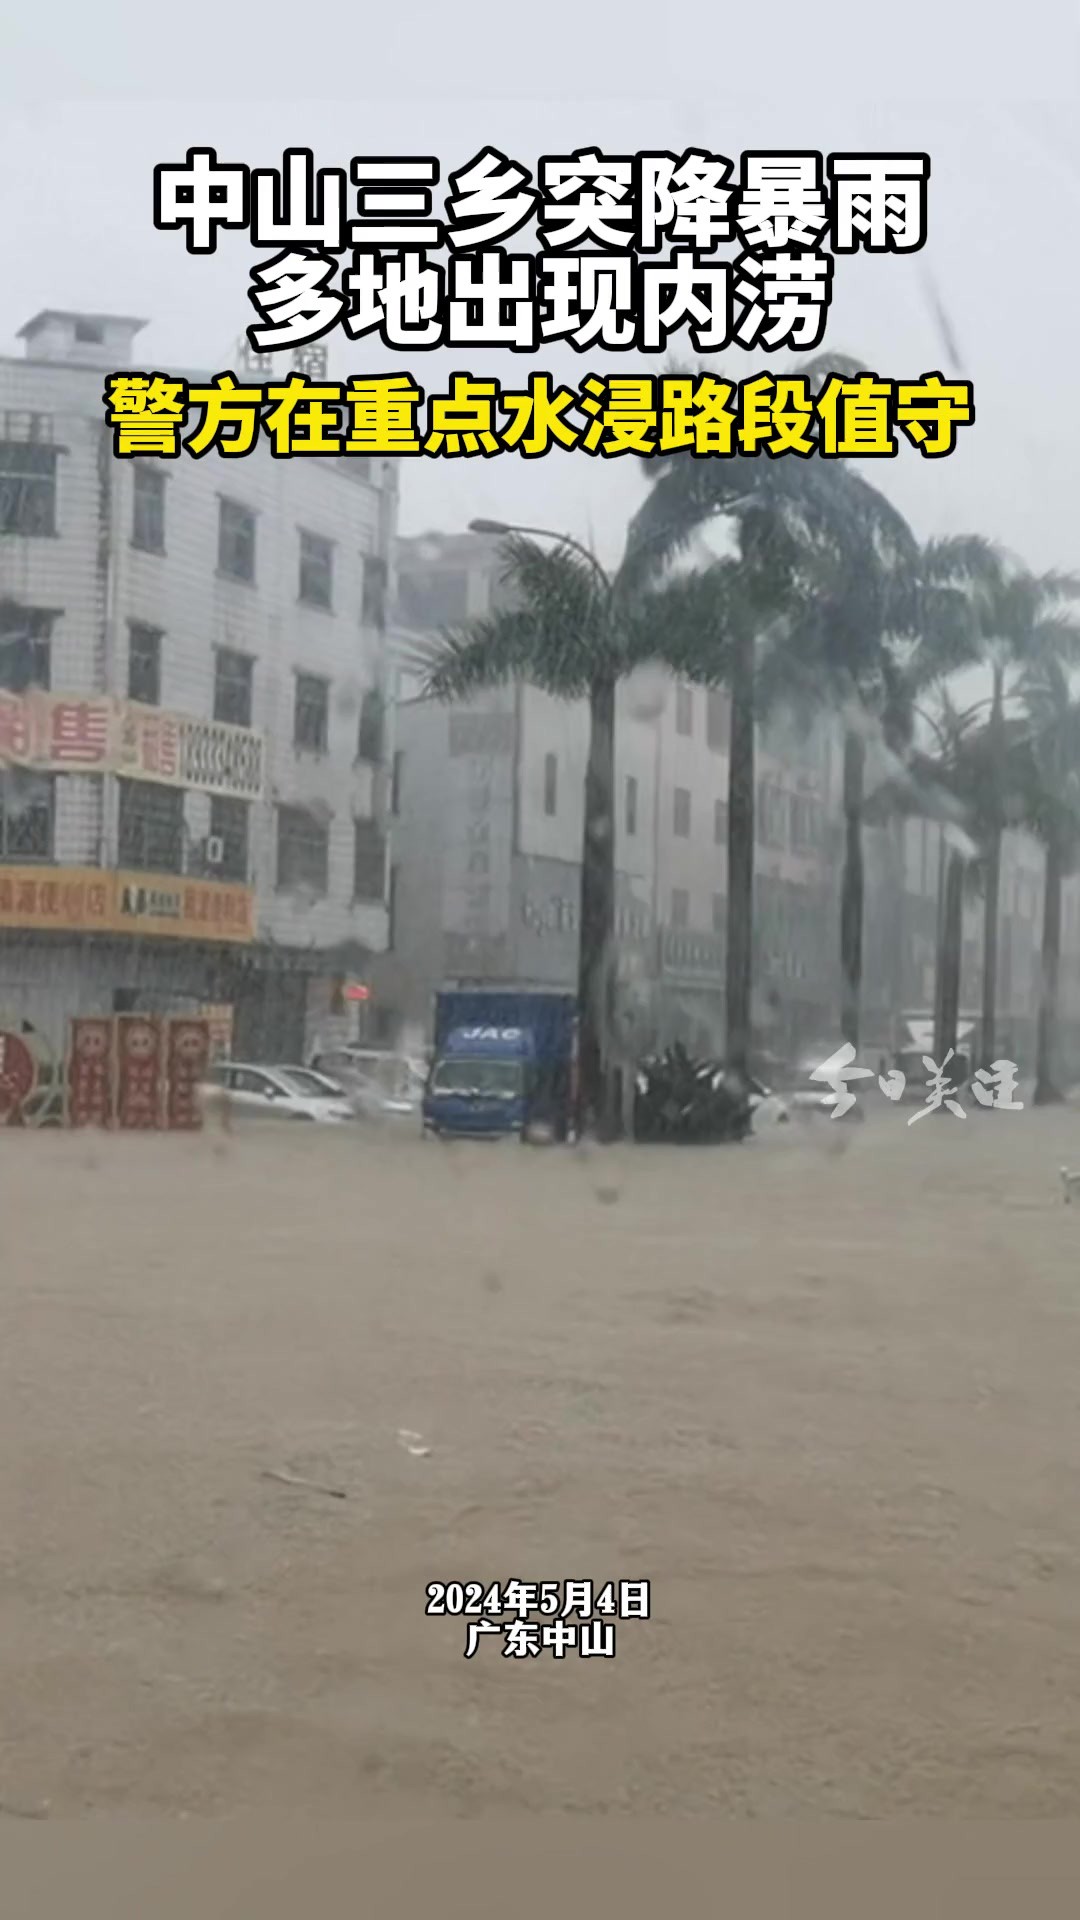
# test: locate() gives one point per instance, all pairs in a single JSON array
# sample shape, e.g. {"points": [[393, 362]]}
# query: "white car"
{"points": [[280, 1093], [379, 1084]]}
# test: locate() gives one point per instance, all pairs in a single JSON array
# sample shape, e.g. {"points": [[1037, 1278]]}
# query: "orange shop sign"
{"points": [[90, 900], [183, 909]]}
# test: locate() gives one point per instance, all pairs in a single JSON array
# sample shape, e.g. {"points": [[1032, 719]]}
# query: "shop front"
{"points": [[86, 941]]}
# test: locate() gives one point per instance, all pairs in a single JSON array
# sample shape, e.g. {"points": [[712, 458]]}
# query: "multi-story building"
{"points": [[488, 828], [191, 661], [486, 852]]}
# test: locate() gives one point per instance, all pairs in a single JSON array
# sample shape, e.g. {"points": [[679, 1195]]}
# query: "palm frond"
{"points": [[486, 653], [1055, 635], [555, 578], [964, 557], [554, 631], [687, 623]]}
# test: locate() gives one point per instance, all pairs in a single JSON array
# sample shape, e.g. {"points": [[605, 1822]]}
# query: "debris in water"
{"points": [[680, 1099], [412, 1442], [607, 1196], [298, 1480]]}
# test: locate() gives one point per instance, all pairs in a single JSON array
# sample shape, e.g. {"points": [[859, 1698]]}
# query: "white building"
{"points": [[487, 840], [488, 830], [215, 628]]}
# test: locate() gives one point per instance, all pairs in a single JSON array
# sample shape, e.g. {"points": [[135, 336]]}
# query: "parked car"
{"points": [[280, 1093], [378, 1084]]}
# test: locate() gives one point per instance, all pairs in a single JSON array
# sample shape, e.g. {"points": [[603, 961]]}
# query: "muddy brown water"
{"points": [[828, 1403]]}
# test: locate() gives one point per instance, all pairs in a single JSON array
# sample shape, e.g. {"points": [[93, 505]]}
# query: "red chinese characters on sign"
{"points": [[187, 1060], [158, 749], [90, 1073], [138, 1070], [18, 1076], [79, 733]]}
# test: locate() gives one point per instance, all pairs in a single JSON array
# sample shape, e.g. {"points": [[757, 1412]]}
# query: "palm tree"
{"points": [[1050, 773], [1024, 623], [870, 641], [828, 569], [576, 631], [967, 789]]}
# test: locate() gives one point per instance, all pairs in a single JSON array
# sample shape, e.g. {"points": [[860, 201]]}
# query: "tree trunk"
{"points": [[991, 916], [740, 914], [596, 968], [1046, 1091], [987, 1047], [949, 951], [851, 891]]}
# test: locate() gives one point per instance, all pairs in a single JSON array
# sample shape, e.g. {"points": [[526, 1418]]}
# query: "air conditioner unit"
{"points": [[215, 850]]}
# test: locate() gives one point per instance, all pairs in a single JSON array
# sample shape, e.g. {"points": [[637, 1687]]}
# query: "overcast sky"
{"points": [[94, 97]]}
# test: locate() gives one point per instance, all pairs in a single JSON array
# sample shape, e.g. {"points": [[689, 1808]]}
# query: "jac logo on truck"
{"points": [[490, 1033]]}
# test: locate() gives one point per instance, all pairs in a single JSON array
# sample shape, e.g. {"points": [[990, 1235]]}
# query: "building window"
{"points": [[233, 675], [25, 647], [26, 815], [369, 861], [684, 709], [631, 804], [229, 827], [144, 664], [680, 907], [311, 716], [397, 768], [717, 720], [719, 909], [316, 570], [148, 508], [89, 333], [236, 541], [772, 815], [805, 829], [719, 822], [431, 597], [303, 850], [27, 488], [369, 746], [151, 836], [681, 813], [373, 593], [551, 783]]}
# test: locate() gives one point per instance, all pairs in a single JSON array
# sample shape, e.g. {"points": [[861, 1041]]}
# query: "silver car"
{"points": [[280, 1093]]}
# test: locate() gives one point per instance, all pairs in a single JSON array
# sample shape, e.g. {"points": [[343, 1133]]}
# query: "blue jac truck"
{"points": [[505, 1059]]}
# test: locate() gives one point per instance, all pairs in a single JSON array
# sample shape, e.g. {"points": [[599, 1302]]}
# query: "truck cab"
{"points": [[479, 1082], [504, 1061]]}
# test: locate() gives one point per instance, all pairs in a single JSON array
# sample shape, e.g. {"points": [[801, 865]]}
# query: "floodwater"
{"points": [[825, 1401]]}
